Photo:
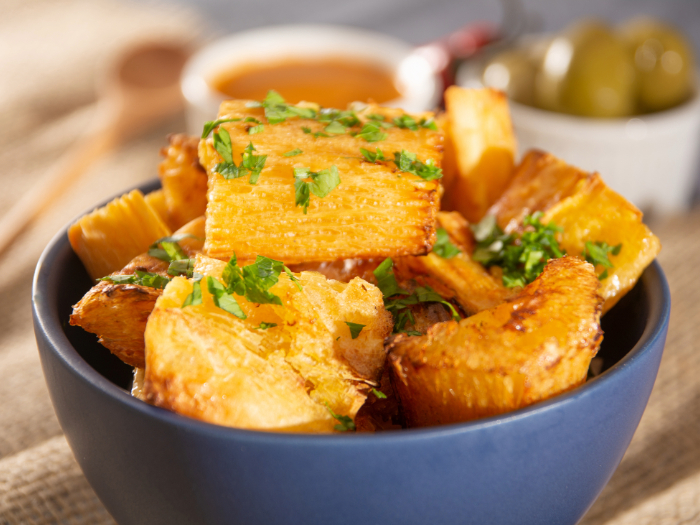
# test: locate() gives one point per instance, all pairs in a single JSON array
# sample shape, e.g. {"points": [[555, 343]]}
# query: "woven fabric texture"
{"points": [[47, 100]]}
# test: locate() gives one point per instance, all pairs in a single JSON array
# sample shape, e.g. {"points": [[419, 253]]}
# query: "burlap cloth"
{"points": [[49, 52]]}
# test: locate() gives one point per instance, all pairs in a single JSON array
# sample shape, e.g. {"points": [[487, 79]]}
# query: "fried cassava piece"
{"points": [[267, 200], [183, 179], [111, 236], [117, 313], [480, 149], [530, 348], [283, 367], [587, 211]]}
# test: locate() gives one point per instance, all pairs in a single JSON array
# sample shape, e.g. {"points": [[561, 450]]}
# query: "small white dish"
{"points": [[419, 85]]}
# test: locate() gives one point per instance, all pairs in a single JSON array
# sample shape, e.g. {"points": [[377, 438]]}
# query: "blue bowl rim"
{"points": [[46, 321]]}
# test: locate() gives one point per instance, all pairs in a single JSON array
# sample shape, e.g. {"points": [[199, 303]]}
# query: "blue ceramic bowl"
{"points": [[545, 464]]}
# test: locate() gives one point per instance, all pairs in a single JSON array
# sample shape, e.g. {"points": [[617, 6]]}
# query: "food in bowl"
{"points": [[252, 332]]}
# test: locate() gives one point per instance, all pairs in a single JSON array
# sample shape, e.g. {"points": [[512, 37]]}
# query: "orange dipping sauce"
{"points": [[330, 82]]}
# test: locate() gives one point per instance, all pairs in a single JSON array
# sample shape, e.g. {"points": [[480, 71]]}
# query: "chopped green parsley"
{"points": [[378, 393], [597, 253], [209, 126], [355, 329], [293, 153], [345, 423], [407, 162], [372, 156], [151, 280], [397, 300], [265, 326], [521, 257], [321, 184], [443, 247]]}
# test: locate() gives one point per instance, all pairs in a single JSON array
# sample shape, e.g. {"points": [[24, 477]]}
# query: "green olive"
{"points": [[512, 72], [587, 71], [664, 63]]}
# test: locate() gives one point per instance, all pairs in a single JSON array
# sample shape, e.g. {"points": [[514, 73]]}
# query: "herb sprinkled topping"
{"points": [[151, 280], [372, 156], [168, 248], [209, 126], [252, 282], [321, 184], [265, 326], [250, 163], [597, 253], [355, 329], [408, 162], [443, 247], [378, 393], [397, 305], [345, 423], [372, 132], [522, 257], [292, 153]]}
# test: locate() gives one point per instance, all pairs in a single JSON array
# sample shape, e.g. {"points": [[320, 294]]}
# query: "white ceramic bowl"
{"points": [[420, 86], [650, 159]]}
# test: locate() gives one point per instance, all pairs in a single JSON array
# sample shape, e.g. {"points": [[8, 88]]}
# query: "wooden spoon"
{"points": [[137, 91]]}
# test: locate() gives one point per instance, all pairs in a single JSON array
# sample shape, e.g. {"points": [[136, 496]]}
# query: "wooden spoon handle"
{"points": [[50, 186]]}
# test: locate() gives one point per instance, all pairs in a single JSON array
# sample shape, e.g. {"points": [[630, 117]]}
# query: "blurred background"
{"points": [[53, 54]]}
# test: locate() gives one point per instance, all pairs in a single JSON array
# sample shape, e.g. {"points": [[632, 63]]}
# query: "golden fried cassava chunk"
{"points": [[117, 313], [598, 214], [455, 276], [207, 363], [156, 200], [532, 347], [109, 237], [541, 180], [375, 211], [184, 180], [587, 210], [479, 149]]}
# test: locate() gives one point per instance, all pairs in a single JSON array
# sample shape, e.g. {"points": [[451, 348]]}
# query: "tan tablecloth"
{"points": [[49, 52]]}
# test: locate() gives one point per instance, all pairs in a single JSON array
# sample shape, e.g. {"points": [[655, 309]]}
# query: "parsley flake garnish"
{"points": [[306, 129], [223, 299], [195, 297], [151, 280], [406, 122], [355, 329], [265, 326], [292, 153], [184, 267], [252, 282], [378, 393], [372, 132], [345, 423], [256, 129], [277, 110], [407, 162], [597, 253], [336, 128], [372, 157], [321, 184], [428, 123], [167, 248], [250, 163], [521, 257], [397, 305], [209, 126], [443, 247]]}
